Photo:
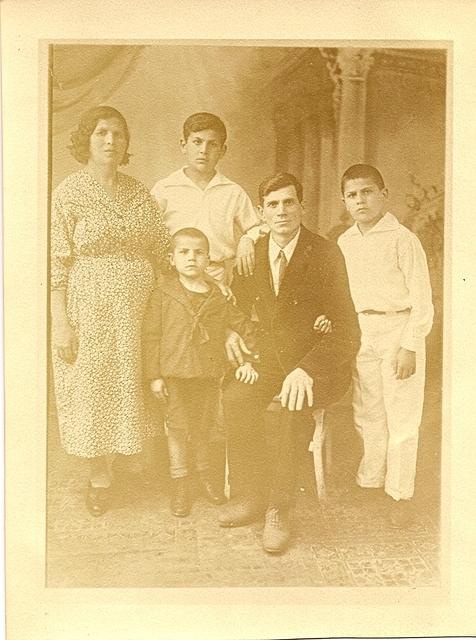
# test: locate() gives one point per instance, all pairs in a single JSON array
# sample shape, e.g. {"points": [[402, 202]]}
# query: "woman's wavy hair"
{"points": [[80, 137]]}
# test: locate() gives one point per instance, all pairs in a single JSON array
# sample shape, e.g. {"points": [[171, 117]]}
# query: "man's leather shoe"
{"points": [[240, 511], [276, 532], [181, 501], [401, 514], [209, 491], [98, 500]]}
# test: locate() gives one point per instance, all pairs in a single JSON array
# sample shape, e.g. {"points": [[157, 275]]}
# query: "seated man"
{"points": [[298, 276]]}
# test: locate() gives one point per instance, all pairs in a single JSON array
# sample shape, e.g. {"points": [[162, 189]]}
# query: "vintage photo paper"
{"points": [[310, 102]]}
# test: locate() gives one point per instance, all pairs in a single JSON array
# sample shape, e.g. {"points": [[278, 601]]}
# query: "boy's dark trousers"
{"points": [[256, 465], [191, 408]]}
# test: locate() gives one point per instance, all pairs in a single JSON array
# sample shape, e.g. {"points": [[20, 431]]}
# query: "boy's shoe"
{"points": [[401, 514], [241, 510], [181, 501], [276, 532], [209, 490]]}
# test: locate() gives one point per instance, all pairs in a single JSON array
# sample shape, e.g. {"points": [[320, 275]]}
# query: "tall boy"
{"points": [[197, 195], [390, 288], [184, 336]]}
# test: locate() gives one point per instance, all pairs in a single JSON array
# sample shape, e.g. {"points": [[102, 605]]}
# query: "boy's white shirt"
{"points": [[388, 271], [223, 211]]}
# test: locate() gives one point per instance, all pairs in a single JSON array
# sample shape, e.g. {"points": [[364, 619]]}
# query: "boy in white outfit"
{"points": [[197, 195], [391, 291]]}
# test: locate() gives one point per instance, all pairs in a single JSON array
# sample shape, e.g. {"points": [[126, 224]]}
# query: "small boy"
{"points": [[184, 337], [198, 196], [391, 291]]}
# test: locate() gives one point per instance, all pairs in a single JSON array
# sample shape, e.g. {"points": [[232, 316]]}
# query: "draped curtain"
{"points": [[86, 74]]}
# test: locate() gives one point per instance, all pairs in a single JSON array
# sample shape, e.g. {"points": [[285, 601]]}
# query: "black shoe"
{"points": [[98, 500], [209, 491], [276, 532], [181, 501], [241, 510]]}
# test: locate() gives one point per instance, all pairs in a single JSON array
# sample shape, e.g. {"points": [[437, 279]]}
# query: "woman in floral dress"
{"points": [[106, 234]]}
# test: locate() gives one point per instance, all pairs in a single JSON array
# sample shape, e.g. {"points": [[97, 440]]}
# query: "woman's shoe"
{"points": [[98, 500]]}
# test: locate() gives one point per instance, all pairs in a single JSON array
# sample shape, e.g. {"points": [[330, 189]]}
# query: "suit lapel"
{"points": [[297, 267], [263, 272]]}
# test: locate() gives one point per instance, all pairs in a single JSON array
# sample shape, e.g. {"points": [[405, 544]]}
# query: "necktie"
{"points": [[283, 263]]}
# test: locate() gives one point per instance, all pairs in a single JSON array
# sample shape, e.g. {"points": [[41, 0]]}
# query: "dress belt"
{"points": [[373, 312]]}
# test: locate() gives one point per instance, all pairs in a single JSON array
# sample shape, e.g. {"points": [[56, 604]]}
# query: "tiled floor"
{"points": [[344, 542]]}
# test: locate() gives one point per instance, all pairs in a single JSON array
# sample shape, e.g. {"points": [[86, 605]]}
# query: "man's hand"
{"points": [[404, 364], [159, 389], [245, 256], [296, 387], [322, 324], [65, 342], [235, 347]]}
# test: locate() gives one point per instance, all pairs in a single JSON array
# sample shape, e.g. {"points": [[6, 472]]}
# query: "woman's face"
{"points": [[108, 142]]}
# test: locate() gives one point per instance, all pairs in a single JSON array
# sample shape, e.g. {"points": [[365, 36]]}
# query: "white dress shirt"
{"points": [[387, 271], [223, 211], [274, 258]]}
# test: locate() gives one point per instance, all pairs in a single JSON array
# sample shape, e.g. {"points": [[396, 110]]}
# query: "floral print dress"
{"points": [[102, 254]]}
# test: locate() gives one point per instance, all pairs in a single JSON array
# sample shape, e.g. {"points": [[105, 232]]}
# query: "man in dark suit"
{"points": [[298, 276]]}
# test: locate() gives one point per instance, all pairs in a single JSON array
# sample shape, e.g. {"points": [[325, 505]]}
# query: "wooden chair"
{"points": [[321, 448]]}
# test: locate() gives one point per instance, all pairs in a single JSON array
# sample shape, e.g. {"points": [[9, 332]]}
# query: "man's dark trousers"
{"points": [[258, 467]]}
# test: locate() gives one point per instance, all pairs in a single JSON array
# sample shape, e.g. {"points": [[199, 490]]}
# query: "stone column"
{"points": [[311, 168], [354, 65], [348, 68]]}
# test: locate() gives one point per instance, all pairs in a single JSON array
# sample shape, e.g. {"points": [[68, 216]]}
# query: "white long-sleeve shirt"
{"points": [[223, 211], [388, 271]]}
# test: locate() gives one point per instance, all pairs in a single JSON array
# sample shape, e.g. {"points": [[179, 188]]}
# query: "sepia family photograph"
{"points": [[246, 247]]}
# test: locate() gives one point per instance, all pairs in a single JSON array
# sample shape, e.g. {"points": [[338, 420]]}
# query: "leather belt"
{"points": [[373, 312]]}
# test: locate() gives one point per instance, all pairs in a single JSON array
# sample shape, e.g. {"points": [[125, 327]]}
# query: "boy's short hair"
{"points": [[189, 232], [278, 181], [201, 121], [357, 171]]}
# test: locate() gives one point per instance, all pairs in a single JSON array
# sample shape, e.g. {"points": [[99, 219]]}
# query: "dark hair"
{"points": [[79, 146], [201, 121], [357, 171], [189, 232], [278, 181]]}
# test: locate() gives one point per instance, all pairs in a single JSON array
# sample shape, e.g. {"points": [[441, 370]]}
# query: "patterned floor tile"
{"points": [[390, 572]]}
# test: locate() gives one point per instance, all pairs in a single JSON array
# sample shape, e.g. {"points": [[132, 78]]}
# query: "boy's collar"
{"points": [[387, 222], [180, 178]]}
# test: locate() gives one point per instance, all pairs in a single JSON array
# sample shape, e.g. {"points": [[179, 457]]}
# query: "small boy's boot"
{"points": [[181, 501]]}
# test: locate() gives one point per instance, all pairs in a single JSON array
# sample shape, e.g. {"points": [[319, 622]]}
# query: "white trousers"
{"points": [[387, 411]]}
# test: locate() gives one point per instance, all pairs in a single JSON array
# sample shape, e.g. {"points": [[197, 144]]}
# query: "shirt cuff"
{"points": [[257, 232]]}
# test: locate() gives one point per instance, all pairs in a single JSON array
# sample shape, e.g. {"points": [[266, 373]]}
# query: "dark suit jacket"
{"points": [[315, 283]]}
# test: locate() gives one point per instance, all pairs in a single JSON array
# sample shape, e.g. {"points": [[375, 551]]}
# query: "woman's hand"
{"points": [[245, 256], [159, 389], [65, 342], [246, 373]]}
